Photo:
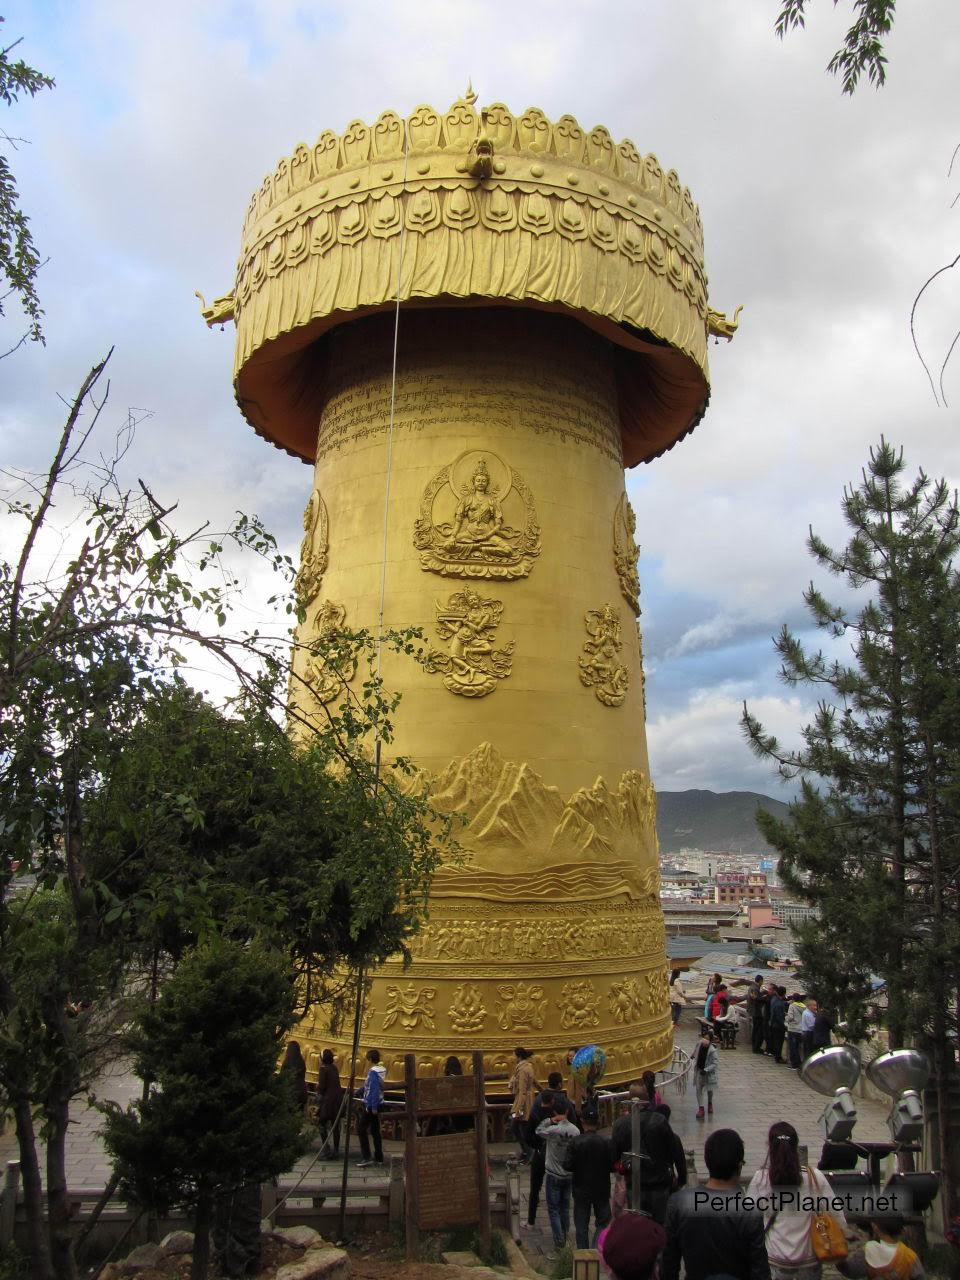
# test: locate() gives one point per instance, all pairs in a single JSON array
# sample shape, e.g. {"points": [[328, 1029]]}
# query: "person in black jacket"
{"points": [[329, 1101], [706, 1227], [678, 1155], [778, 1007], [656, 1153], [591, 1162]]}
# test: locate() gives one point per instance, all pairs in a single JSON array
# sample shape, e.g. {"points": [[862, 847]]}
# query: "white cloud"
{"points": [[823, 215], [702, 746]]}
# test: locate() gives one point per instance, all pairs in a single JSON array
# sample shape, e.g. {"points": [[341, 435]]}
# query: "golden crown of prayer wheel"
{"points": [[553, 330]]}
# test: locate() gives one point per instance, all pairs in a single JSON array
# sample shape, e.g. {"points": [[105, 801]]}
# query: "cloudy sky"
{"points": [[823, 216]]}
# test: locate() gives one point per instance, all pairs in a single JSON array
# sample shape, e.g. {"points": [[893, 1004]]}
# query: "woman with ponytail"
{"points": [[787, 1228]]}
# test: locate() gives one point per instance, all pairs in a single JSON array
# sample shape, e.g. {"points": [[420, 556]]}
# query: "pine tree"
{"points": [[219, 1115], [873, 841]]}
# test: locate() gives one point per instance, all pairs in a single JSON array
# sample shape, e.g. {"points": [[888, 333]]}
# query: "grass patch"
{"points": [[563, 1266]]}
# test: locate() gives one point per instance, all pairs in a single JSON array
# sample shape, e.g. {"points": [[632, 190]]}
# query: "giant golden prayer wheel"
{"points": [[552, 330]]}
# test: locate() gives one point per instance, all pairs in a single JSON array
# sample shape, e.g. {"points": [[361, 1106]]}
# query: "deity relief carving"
{"points": [[626, 1000], [326, 676], [313, 551], [643, 674], [410, 1006], [471, 666], [599, 665], [467, 1011], [520, 1007], [578, 1005], [626, 551], [463, 530]]}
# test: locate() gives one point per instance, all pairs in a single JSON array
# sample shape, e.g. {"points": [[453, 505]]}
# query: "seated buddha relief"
{"points": [[477, 520]]}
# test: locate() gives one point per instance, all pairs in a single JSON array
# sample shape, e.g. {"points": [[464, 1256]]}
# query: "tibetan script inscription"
{"points": [[437, 394]]}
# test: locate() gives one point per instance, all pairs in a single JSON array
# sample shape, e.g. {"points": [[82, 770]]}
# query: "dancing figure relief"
{"points": [[600, 665], [463, 531], [329, 671], [626, 551], [313, 551], [470, 664]]}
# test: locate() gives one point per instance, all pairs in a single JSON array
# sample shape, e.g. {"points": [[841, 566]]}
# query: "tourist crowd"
{"points": [[719, 1231]]}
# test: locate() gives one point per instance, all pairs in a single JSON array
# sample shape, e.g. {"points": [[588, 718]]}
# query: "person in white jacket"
{"points": [[787, 1229]]}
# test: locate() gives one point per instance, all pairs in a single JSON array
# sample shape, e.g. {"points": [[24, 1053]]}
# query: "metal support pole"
{"points": [[357, 1019], [636, 1143]]}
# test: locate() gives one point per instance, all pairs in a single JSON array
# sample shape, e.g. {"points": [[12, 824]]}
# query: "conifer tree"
{"points": [[873, 841], [220, 1115]]}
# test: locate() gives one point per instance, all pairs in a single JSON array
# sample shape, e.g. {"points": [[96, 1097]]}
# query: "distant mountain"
{"points": [[713, 820]]}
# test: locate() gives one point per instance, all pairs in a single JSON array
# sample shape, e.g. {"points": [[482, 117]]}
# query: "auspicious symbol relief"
{"points": [[411, 1007], [467, 1011], [600, 668], [657, 989], [328, 672], [625, 552], [520, 1007], [471, 666], [578, 1005], [313, 551], [626, 1000], [463, 530]]}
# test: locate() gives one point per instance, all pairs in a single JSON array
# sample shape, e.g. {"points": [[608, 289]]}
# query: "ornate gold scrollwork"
{"points": [[472, 539], [326, 677], [578, 1005], [599, 665], [626, 551], [471, 666], [313, 551]]}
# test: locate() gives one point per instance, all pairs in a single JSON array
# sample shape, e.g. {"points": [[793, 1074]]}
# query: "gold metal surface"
{"points": [[554, 217], [552, 329]]}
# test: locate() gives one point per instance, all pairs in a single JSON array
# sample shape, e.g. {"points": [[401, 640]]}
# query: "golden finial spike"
{"points": [[470, 95]]}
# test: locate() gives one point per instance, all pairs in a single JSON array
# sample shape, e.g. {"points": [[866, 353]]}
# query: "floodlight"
{"points": [[834, 1071], [905, 1120], [902, 1073], [898, 1070], [915, 1191], [833, 1068], [838, 1157]]}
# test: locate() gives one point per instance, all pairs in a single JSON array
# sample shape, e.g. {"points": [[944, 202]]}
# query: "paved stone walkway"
{"points": [[753, 1092]]}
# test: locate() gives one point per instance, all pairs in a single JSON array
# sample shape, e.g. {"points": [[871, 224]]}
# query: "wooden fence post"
{"points": [[483, 1180], [395, 1201]]}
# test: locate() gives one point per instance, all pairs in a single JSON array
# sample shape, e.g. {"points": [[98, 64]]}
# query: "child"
{"points": [[705, 1072], [885, 1255]]}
